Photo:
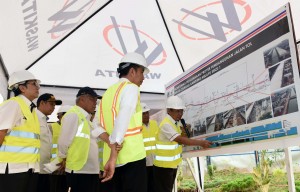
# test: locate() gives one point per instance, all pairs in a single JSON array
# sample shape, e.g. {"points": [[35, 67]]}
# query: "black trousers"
{"points": [[150, 179], [108, 186], [18, 182], [131, 177], [58, 183], [82, 182], [43, 183], [164, 179]]}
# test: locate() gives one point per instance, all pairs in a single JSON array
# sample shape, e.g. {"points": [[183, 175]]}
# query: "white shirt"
{"points": [[128, 102], [10, 117], [46, 141], [68, 131], [167, 132]]}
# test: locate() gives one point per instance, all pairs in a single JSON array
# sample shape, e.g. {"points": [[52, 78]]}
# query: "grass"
{"points": [[225, 178], [278, 183]]}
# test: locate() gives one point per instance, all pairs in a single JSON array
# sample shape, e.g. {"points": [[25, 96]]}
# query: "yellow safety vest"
{"points": [[55, 134], [149, 135], [133, 146], [168, 153], [80, 147], [100, 157], [22, 143]]}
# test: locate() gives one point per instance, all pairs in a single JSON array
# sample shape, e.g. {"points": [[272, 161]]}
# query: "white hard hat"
{"points": [[20, 77], [145, 108], [134, 58], [174, 102], [64, 108]]}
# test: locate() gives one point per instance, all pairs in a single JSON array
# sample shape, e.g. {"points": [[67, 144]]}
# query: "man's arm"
{"points": [[186, 141], [109, 168], [2, 135], [10, 114], [128, 102]]}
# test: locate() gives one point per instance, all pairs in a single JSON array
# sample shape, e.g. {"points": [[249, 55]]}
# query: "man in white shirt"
{"points": [[168, 146], [77, 147], [46, 105], [121, 117], [19, 135]]}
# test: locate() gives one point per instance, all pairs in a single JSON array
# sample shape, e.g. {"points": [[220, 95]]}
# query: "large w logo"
{"points": [[216, 24]]}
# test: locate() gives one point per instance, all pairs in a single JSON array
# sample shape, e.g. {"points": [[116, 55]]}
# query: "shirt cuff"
{"points": [[115, 140], [174, 137], [62, 156], [96, 132]]}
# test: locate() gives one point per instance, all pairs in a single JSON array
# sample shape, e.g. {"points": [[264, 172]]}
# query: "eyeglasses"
{"points": [[34, 83], [91, 97], [177, 111], [52, 103]]}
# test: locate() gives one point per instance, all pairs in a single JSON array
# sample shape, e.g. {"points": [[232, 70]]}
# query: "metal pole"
{"points": [[256, 155], [199, 184], [199, 172], [289, 169]]}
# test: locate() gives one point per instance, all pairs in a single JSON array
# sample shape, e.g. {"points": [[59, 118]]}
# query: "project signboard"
{"points": [[245, 95]]}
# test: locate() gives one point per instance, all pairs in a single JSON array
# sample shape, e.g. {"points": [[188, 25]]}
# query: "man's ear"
{"points": [[132, 71], [22, 88]]}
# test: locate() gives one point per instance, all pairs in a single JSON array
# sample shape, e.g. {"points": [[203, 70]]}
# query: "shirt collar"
{"points": [[41, 115], [84, 112], [27, 101], [124, 80], [171, 119]]}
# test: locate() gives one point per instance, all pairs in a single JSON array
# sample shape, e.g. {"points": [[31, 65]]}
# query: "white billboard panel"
{"points": [[247, 92], [199, 28]]}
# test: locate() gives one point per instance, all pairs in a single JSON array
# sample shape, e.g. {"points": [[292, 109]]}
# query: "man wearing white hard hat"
{"points": [[121, 116], [168, 146], [58, 180], [150, 129], [20, 135]]}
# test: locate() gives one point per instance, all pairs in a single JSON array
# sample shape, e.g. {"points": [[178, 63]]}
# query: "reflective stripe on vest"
{"points": [[22, 143], [164, 158], [79, 132], [167, 147], [24, 134], [133, 147], [168, 153], [15, 149], [150, 148], [79, 149], [149, 139]]}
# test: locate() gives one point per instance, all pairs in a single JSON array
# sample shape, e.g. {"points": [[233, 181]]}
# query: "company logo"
{"points": [[68, 17], [135, 40], [212, 21]]}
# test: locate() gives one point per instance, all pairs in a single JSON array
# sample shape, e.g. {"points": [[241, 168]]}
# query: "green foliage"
{"points": [[210, 170], [239, 185], [278, 174], [261, 172], [275, 158], [214, 183], [179, 176], [187, 184]]}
